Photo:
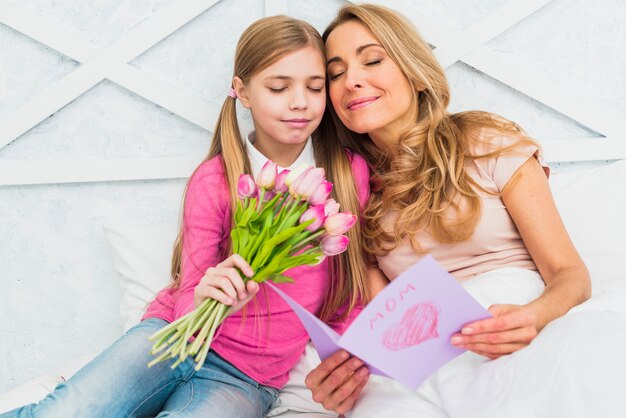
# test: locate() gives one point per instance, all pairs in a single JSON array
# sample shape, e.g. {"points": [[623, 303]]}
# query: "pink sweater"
{"points": [[265, 345]]}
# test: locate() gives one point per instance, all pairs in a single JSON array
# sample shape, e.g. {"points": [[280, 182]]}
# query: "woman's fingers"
{"points": [[337, 382], [512, 328], [317, 376], [505, 317], [350, 391], [524, 335]]}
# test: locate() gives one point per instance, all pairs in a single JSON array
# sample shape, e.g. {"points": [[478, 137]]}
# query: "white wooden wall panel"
{"points": [[112, 63], [566, 99]]}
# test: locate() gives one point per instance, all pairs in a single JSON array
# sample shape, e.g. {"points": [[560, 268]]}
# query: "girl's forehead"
{"points": [[306, 61]]}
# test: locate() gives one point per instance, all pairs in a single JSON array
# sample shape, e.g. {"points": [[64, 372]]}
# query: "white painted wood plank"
{"points": [[520, 76], [584, 149], [142, 83], [461, 43], [136, 41], [21, 172], [149, 86], [275, 7], [81, 171], [558, 95]]}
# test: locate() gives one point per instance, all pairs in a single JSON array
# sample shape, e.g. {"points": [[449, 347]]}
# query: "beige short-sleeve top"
{"points": [[496, 242]]}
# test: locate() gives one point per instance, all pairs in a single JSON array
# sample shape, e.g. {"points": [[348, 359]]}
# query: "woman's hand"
{"points": [[224, 284], [337, 382], [512, 328]]}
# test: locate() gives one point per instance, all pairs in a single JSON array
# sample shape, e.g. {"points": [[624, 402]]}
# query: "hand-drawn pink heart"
{"points": [[418, 324]]}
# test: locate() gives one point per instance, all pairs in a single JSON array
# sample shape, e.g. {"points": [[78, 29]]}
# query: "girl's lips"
{"points": [[297, 123], [361, 102]]}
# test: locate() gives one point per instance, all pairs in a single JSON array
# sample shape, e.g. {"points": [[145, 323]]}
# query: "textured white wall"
{"points": [[59, 293]]}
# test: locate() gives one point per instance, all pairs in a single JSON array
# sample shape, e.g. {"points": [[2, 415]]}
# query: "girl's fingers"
{"points": [[252, 290], [236, 260], [215, 293], [228, 280]]}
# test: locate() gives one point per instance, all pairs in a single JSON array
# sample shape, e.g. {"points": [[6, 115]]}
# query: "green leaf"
{"points": [[235, 240], [279, 278], [269, 245], [272, 266]]}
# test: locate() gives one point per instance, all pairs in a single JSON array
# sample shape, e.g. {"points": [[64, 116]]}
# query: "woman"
{"points": [[468, 188]]}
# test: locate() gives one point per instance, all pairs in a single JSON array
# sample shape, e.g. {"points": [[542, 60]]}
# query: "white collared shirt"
{"points": [[258, 160]]}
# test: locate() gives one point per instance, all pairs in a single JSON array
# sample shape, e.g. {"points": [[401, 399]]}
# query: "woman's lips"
{"points": [[361, 102], [297, 123]]}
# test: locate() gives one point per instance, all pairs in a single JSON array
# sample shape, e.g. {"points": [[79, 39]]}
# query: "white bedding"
{"points": [[575, 368]]}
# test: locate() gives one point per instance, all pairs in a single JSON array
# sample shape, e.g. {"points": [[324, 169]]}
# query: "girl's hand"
{"points": [[512, 328], [337, 382], [224, 284]]}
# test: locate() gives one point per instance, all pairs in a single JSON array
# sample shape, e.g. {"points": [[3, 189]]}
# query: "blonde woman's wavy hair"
{"points": [[263, 43], [427, 177]]}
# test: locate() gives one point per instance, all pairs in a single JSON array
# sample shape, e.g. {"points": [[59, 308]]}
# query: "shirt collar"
{"points": [[258, 160]]}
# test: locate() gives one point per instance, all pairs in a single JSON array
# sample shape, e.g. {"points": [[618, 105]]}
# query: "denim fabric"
{"points": [[118, 383]]}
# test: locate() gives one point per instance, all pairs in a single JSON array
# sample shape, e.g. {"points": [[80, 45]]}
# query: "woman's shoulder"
{"points": [[500, 141]]}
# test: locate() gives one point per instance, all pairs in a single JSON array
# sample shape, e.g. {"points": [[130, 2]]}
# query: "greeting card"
{"points": [[404, 332]]}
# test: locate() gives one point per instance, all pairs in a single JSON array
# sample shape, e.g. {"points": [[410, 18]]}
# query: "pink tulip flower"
{"points": [[246, 186], [267, 177], [296, 172], [269, 195], [314, 212], [339, 223], [281, 185], [331, 207], [333, 245], [321, 193], [305, 185]]}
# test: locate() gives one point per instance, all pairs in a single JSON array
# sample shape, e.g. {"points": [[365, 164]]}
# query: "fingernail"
{"points": [[456, 340], [467, 330], [229, 301], [356, 362], [363, 372], [344, 355]]}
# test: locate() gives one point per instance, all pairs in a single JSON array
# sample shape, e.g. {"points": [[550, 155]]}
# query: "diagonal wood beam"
{"points": [[565, 99], [98, 67]]}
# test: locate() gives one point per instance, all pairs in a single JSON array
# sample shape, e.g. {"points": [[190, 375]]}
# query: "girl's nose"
{"points": [[298, 100]]}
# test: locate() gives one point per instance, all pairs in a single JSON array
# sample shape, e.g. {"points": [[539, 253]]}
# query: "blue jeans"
{"points": [[118, 383]]}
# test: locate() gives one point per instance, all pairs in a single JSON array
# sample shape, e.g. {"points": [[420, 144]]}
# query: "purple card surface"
{"points": [[404, 332]]}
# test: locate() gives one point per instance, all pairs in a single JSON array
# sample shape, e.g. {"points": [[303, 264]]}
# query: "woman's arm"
{"points": [[529, 201]]}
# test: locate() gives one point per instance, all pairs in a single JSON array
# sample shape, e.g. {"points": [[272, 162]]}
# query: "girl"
{"points": [[279, 74], [467, 188]]}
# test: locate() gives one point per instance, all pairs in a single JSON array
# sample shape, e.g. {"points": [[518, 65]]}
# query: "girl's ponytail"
{"points": [[228, 143]]}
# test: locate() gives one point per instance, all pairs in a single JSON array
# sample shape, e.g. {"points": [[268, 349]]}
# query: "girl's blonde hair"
{"points": [[427, 176], [263, 43]]}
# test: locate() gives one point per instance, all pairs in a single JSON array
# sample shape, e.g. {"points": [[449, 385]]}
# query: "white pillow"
{"points": [[142, 255], [591, 204]]}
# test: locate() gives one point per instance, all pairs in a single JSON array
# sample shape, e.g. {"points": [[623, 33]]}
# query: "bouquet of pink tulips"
{"points": [[282, 221]]}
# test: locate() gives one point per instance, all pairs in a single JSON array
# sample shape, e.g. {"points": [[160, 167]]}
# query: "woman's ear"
{"points": [[241, 91]]}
